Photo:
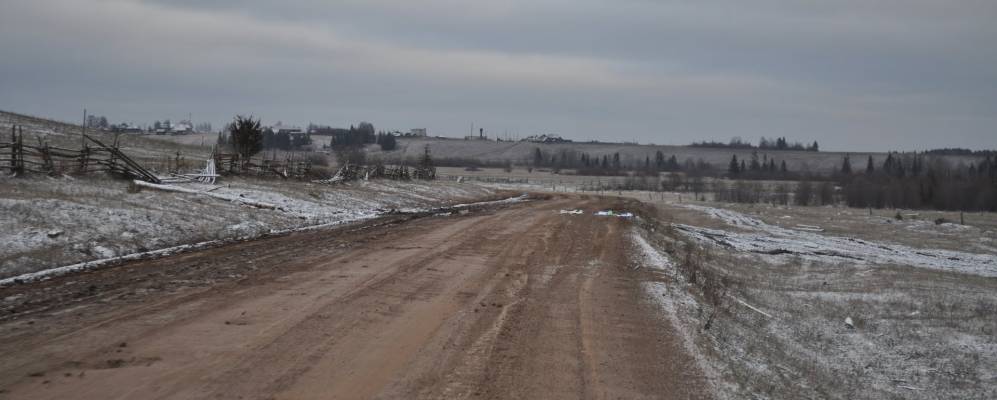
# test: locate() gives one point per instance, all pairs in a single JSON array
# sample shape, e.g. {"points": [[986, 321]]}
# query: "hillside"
{"points": [[518, 152], [142, 148]]}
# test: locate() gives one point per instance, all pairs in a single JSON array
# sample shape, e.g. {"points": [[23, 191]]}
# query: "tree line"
{"points": [[763, 144], [359, 135], [919, 181], [612, 165], [902, 180], [758, 168]]}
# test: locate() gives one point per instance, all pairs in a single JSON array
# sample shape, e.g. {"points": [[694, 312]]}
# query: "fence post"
{"points": [[13, 148], [19, 159]]}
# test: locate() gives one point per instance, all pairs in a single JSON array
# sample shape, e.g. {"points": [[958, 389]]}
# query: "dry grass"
{"points": [[917, 333]]}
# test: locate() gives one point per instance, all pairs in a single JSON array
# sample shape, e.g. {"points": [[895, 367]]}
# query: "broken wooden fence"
{"points": [[286, 168], [17, 158]]}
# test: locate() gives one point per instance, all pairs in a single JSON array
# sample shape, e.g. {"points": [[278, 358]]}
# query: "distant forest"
{"points": [[612, 165], [903, 180], [763, 144], [917, 181]]}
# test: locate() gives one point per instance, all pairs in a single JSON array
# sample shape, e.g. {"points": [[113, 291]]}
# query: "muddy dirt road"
{"points": [[518, 302]]}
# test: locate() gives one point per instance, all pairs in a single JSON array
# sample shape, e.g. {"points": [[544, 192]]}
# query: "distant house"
{"points": [[291, 130], [296, 133], [420, 132], [125, 128], [546, 139], [181, 128]]}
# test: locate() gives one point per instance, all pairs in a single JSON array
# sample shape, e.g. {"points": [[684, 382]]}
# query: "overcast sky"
{"points": [[852, 74]]}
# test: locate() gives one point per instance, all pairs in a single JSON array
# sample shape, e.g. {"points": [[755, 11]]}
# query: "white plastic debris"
{"points": [[572, 212], [611, 213], [849, 323]]}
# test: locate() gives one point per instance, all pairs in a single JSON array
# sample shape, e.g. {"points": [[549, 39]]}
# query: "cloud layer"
{"points": [[852, 74]]}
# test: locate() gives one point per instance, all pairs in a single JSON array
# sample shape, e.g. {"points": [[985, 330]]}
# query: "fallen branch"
{"points": [[751, 307], [171, 188]]}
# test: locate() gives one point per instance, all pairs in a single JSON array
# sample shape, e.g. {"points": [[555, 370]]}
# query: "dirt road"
{"points": [[519, 302]]}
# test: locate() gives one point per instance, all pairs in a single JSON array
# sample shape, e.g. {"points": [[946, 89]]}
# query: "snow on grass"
{"points": [[776, 241], [677, 306], [653, 258], [101, 218], [110, 259], [915, 332]]}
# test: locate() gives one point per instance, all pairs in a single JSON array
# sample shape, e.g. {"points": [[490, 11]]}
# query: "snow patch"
{"points": [[776, 241], [111, 259]]}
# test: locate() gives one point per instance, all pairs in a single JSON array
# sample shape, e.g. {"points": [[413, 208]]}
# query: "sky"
{"points": [[851, 74]]}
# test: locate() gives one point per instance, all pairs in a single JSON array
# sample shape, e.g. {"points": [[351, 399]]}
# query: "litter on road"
{"points": [[611, 213], [573, 212]]}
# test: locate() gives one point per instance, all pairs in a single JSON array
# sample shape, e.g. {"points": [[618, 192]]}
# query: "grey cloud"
{"points": [[852, 74]]}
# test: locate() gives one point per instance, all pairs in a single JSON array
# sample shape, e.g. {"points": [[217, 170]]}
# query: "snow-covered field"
{"points": [[923, 321], [52, 222], [781, 242]]}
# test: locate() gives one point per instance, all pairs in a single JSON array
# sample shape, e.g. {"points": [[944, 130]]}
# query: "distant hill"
{"points": [[521, 152]]}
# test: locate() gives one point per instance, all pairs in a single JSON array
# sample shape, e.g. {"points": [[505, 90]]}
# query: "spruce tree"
{"points": [[733, 168]]}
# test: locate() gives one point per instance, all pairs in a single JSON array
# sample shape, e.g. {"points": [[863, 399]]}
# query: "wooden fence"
{"points": [[16, 157], [287, 168]]}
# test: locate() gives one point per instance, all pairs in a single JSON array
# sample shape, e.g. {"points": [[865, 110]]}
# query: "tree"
{"points": [[733, 168], [426, 169], [804, 192], [825, 193], [846, 166], [538, 157], [246, 136], [387, 141], [755, 165], [366, 129], [223, 141], [869, 168]]}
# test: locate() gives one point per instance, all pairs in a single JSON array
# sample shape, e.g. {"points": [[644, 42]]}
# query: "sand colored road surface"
{"points": [[516, 302]]}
